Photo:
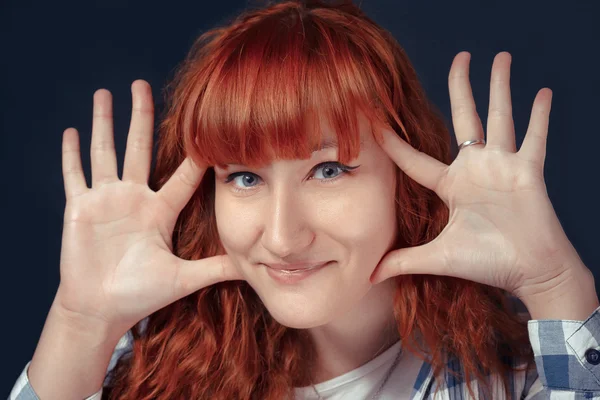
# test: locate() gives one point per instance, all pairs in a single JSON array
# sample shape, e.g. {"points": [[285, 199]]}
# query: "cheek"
{"points": [[235, 224], [364, 216]]}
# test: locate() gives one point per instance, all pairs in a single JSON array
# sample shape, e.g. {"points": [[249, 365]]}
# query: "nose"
{"points": [[286, 232]]}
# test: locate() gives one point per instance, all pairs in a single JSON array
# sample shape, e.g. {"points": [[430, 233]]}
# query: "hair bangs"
{"points": [[271, 89]]}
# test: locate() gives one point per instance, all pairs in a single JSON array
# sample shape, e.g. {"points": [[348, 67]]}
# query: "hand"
{"points": [[502, 229], [117, 264]]}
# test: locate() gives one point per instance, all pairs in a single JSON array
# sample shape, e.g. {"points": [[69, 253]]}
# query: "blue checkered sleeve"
{"points": [[567, 357]]}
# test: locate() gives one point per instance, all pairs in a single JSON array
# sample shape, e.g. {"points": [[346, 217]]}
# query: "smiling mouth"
{"points": [[286, 275], [286, 270], [295, 271]]}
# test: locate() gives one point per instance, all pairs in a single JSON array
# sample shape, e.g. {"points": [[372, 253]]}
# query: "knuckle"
{"points": [[70, 152], [102, 146], [456, 75], [179, 285], [68, 171], [185, 179], [147, 109], [139, 143], [499, 112], [222, 269], [463, 109]]}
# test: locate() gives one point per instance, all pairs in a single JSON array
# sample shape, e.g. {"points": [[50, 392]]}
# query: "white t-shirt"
{"points": [[362, 382], [358, 384]]}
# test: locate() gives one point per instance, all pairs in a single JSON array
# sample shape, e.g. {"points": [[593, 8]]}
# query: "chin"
{"points": [[300, 314], [305, 309], [304, 306]]}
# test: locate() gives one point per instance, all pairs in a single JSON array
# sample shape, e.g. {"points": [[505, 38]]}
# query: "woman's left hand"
{"points": [[502, 229]]}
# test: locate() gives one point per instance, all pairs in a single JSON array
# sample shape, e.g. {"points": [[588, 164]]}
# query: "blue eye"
{"points": [[327, 171], [243, 179]]}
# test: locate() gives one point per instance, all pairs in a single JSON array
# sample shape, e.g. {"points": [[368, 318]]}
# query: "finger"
{"points": [[178, 190], [423, 259], [138, 153], [73, 177], [102, 151], [500, 124], [198, 274], [534, 145], [419, 166], [466, 121]]}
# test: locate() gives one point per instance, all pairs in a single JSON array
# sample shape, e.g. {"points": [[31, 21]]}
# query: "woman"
{"points": [[308, 234]]}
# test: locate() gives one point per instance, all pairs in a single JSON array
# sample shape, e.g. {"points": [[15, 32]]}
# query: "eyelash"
{"points": [[346, 170]]}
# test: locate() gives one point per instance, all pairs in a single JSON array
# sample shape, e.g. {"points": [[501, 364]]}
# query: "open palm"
{"points": [[117, 263], [503, 230]]}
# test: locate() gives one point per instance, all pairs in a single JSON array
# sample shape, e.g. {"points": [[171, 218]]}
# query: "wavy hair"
{"points": [[247, 93]]}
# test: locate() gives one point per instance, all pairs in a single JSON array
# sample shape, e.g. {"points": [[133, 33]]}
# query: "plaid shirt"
{"points": [[567, 358]]}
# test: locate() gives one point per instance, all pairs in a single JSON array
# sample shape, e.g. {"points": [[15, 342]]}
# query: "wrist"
{"points": [[71, 357], [574, 298], [82, 327]]}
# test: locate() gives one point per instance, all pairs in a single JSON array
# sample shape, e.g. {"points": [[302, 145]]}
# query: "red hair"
{"points": [[248, 93]]}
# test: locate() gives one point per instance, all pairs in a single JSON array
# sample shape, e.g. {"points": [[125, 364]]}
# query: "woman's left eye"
{"points": [[329, 170]]}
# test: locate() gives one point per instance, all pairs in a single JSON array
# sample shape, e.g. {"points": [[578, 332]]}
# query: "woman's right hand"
{"points": [[117, 264]]}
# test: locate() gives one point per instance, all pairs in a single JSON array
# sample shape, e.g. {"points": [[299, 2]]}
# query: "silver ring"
{"points": [[470, 142]]}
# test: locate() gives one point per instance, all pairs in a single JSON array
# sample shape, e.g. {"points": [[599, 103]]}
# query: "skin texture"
{"points": [[503, 230], [289, 212]]}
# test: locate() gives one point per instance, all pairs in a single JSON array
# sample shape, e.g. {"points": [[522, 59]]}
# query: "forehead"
{"points": [[329, 138]]}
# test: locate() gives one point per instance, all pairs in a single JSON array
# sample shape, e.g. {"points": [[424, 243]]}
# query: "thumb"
{"points": [[424, 259], [194, 275]]}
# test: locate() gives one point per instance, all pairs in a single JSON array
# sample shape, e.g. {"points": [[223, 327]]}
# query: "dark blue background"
{"points": [[56, 54]]}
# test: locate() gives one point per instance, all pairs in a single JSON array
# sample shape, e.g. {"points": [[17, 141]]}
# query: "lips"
{"points": [[289, 274], [296, 267]]}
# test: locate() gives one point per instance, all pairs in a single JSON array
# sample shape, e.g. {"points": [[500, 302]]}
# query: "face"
{"points": [[307, 234]]}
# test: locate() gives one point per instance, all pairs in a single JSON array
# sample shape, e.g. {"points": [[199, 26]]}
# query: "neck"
{"points": [[358, 336]]}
